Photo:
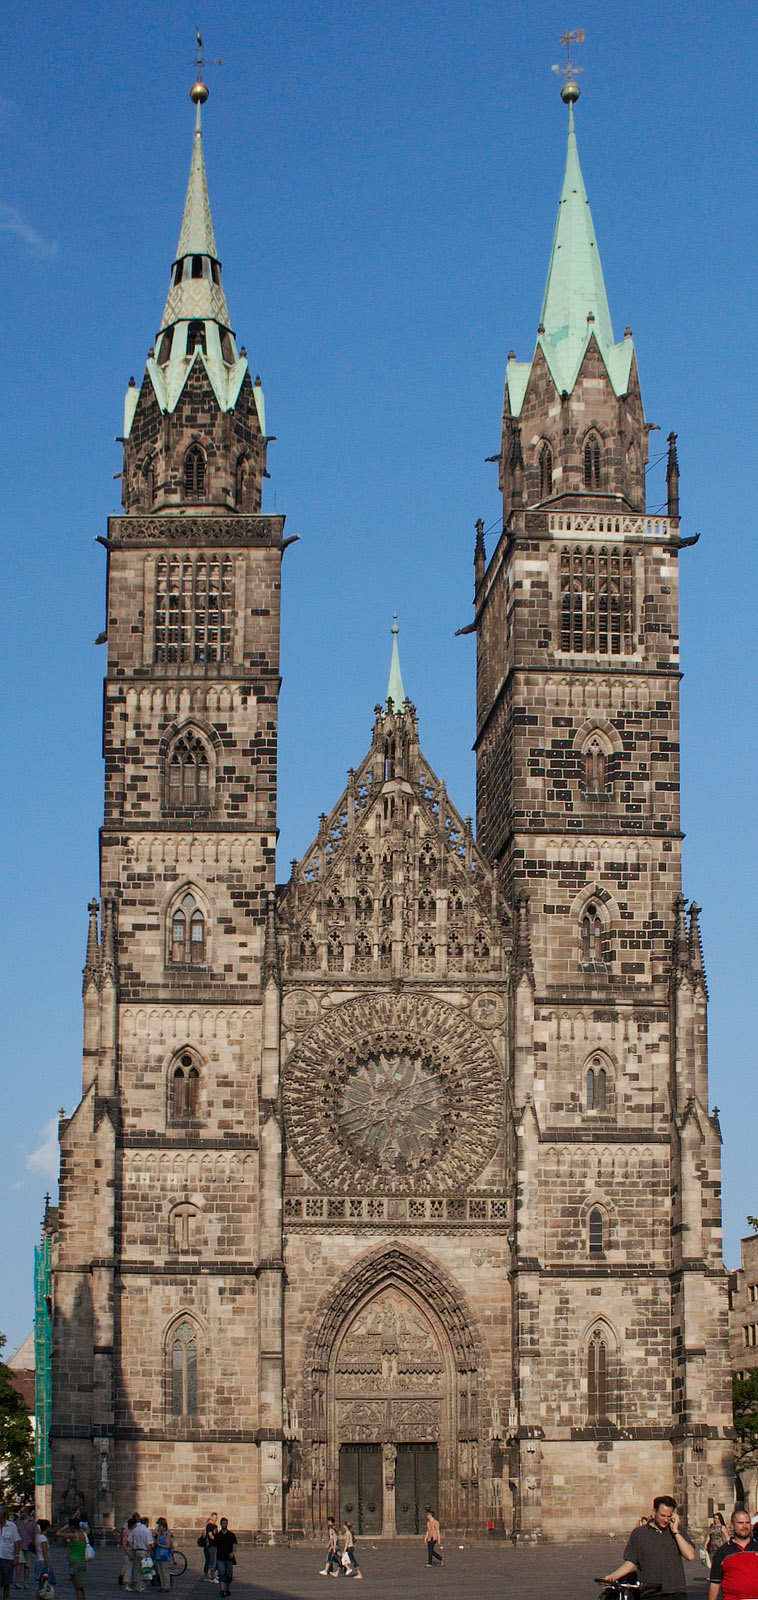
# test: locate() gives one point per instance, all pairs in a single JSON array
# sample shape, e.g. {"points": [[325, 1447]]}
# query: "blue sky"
{"points": [[384, 182]]}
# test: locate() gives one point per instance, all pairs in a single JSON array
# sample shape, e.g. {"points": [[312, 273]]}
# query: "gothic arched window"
{"points": [[596, 1232], [591, 930], [147, 482], [595, 760], [592, 462], [597, 1378], [187, 933], [597, 1087], [185, 1089], [194, 472], [183, 1375], [546, 471], [188, 772]]}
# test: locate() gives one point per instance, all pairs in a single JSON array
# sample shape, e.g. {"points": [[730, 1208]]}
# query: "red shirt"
{"points": [[737, 1571]]}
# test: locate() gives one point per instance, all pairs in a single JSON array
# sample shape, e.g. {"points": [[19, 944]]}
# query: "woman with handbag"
{"points": [[349, 1558], [75, 1537], [163, 1544]]}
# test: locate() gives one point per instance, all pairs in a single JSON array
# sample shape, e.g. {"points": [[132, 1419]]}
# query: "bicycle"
{"points": [[178, 1565], [628, 1589]]}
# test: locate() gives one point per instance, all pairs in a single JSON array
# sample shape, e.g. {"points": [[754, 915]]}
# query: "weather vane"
{"points": [[199, 90], [570, 91]]}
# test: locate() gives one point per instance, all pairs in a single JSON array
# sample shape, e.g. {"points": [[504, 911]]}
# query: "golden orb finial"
{"points": [[199, 93]]}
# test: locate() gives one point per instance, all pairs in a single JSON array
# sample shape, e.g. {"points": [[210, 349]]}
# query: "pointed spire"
{"points": [[395, 690], [681, 935], [109, 941], [523, 951], [696, 945], [575, 306], [196, 293], [92, 961], [575, 287], [271, 962], [480, 554], [672, 478]]}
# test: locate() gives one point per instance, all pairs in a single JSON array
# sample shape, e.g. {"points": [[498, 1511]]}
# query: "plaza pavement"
{"points": [[394, 1570]]}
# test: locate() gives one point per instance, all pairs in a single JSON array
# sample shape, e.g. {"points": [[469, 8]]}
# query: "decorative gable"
{"points": [[394, 884]]}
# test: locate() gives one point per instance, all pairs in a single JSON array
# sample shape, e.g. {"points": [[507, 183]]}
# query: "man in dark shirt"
{"points": [[734, 1568], [225, 1542], [655, 1549]]}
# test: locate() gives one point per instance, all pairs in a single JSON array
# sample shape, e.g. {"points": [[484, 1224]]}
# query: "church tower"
{"points": [[168, 1280], [618, 1290]]}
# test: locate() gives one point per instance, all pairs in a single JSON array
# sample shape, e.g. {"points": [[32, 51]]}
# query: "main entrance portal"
{"points": [[394, 1405], [366, 1503]]}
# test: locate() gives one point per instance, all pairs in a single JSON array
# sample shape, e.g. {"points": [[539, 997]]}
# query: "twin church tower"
{"points": [[395, 1185]]}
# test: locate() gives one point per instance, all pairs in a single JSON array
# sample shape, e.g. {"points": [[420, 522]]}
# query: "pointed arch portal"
{"points": [[392, 1403]]}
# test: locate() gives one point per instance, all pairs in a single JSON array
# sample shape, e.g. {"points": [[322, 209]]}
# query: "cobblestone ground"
{"points": [[392, 1571]]}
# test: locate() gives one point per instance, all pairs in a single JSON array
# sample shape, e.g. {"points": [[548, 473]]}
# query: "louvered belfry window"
{"points": [[597, 602], [194, 603]]}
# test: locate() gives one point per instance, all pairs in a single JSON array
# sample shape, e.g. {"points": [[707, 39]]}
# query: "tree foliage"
{"points": [[16, 1440], [745, 1399]]}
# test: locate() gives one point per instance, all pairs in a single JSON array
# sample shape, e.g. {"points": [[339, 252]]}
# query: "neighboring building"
{"points": [[395, 1185], [743, 1309]]}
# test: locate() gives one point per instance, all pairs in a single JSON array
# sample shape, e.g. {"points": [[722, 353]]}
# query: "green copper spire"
{"points": [[575, 288], [575, 306], [195, 326], [197, 237], [395, 690]]}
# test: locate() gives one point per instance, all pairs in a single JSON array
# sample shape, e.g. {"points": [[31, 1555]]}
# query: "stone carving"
{"points": [[299, 1010], [389, 1456], [360, 1423], [389, 1348], [393, 1110], [413, 1421], [387, 1088], [488, 1010]]}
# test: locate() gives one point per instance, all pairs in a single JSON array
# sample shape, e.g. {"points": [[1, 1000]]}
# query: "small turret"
{"points": [[672, 478]]}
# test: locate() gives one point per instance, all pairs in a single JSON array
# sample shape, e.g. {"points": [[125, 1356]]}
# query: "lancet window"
{"points": [[188, 772], [194, 461], [187, 933], [194, 603], [183, 1376], [185, 1089], [592, 460], [597, 1087], [597, 1379], [545, 460]]}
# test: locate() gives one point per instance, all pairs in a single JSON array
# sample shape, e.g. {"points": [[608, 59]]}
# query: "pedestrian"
{"points": [[10, 1546], [125, 1575], [207, 1542], [432, 1539], [75, 1537], [349, 1558], [141, 1548], [717, 1534], [163, 1544], [333, 1566], [225, 1557], [658, 1550], [42, 1568], [27, 1532], [734, 1568]]}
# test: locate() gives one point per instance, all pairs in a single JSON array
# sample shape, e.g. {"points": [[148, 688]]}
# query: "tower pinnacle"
{"points": [[395, 690]]}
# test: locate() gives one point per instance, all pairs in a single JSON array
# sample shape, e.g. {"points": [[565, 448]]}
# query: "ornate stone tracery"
{"points": [[392, 1086]]}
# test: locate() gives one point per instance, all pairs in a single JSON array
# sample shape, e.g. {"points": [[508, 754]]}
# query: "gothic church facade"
{"points": [[396, 1185]]}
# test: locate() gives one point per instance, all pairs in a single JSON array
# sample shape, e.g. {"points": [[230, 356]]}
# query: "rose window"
{"points": [[392, 1109]]}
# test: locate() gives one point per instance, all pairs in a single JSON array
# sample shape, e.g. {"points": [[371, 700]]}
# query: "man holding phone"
{"points": [[657, 1550]]}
